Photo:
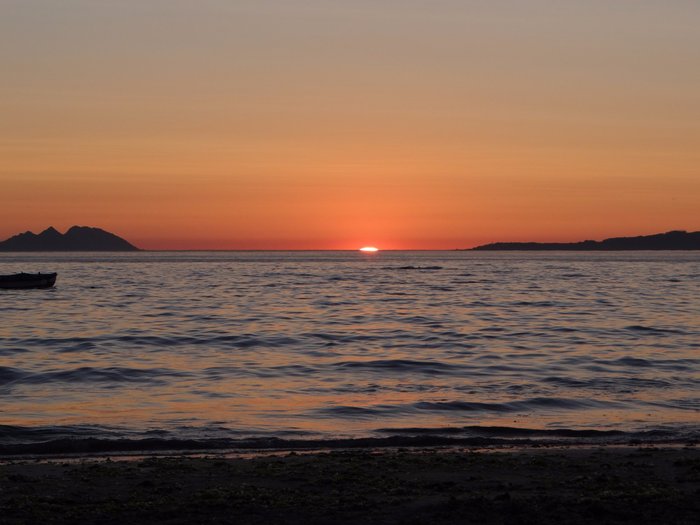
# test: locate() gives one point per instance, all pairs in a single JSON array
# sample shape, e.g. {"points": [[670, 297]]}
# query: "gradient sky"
{"points": [[335, 124]]}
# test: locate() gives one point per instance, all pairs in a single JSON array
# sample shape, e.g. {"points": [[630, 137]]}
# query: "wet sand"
{"points": [[411, 486]]}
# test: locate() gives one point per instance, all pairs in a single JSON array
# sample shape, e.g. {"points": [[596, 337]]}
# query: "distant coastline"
{"points": [[76, 239], [673, 240], [86, 239]]}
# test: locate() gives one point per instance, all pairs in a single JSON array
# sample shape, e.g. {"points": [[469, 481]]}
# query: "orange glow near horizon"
{"points": [[247, 125]]}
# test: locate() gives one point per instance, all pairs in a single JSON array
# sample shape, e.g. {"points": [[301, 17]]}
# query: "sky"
{"points": [[334, 124]]}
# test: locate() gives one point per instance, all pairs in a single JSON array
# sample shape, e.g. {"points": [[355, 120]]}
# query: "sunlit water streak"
{"points": [[344, 344]]}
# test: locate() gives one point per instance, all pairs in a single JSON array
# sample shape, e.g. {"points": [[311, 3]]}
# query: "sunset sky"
{"points": [[337, 124]]}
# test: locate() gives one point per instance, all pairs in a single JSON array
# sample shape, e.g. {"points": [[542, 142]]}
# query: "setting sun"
{"points": [[369, 249]]}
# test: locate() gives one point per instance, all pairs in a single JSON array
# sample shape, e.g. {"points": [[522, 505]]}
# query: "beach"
{"points": [[610, 484]]}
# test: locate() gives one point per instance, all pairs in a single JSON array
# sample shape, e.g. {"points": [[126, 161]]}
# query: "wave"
{"points": [[550, 403], [401, 365], [653, 330], [528, 405], [410, 267], [165, 343], [609, 384], [510, 432], [655, 364], [86, 440], [14, 376]]}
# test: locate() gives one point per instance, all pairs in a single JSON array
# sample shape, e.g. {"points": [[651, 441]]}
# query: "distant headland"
{"points": [[77, 238], [674, 240]]}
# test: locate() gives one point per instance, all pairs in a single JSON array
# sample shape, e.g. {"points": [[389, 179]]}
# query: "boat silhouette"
{"points": [[27, 280]]}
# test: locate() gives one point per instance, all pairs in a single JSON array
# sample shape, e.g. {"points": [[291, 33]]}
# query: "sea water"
{"points": [[235, 346]]}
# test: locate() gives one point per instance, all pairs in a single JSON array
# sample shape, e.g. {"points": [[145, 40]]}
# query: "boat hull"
{"points": [[23, 281]]}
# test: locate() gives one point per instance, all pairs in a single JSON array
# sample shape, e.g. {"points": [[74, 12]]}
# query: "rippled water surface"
{"points": [[328, 344]]}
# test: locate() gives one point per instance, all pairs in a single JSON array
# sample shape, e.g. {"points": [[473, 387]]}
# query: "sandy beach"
{"points": [[528, 485]]}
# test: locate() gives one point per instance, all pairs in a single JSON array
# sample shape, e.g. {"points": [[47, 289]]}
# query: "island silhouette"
{"points": [[673, 240], [77, 238]]}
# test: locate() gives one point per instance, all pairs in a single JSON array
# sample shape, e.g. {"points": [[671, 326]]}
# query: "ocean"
{"points": [[203, 350]]}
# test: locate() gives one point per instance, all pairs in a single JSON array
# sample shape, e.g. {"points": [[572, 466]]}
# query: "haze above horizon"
{"points": [[310, 124]]}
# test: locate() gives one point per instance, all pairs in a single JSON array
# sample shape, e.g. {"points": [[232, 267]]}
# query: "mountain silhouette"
{"points": [[674, 240], [78, 238]]}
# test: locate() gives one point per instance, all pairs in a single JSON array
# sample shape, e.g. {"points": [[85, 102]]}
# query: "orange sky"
{"points": [[329, 124]]}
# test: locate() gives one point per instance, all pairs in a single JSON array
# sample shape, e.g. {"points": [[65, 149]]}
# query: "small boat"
{"points": [[27, 280]]}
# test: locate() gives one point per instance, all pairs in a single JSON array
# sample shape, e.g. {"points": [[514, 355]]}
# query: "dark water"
{"points": [[219, 349]]}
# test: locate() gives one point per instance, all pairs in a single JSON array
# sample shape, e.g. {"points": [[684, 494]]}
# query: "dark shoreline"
{"points": [[545, 484], [677, 240], [484, 437]]}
